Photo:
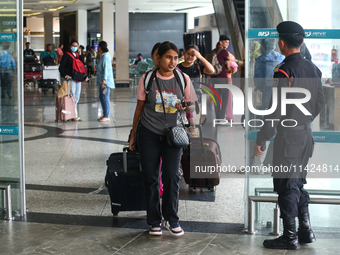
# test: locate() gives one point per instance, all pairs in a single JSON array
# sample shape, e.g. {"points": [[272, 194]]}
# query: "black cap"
{"points": [[224, 38], [290, 28]]}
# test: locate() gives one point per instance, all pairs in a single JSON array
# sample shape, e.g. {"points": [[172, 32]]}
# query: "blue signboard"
{"points": [[9, 130], [319, 137], [8, 37], [310, 33]]}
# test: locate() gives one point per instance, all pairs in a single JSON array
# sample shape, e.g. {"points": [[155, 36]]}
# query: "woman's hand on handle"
{"points": [[132, 142]]}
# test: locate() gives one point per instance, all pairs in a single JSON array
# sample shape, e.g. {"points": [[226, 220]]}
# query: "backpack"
{"points": [[212, 59], [151, 75], [48, 61], [78, 69]]}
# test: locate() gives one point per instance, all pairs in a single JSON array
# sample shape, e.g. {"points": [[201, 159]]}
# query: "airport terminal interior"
{"points": [[53, 198]]}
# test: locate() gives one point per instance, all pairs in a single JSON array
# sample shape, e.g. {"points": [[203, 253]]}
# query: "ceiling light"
{"points": [[32, 14], [57, 2], [8, 10], [56, 9]]}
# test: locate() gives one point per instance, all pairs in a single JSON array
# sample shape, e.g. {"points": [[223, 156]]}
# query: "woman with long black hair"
{"points": [[152, 142]]}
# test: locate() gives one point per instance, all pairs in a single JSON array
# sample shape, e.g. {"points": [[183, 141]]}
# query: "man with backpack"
{"points": [[219, 58], [49, 57]]}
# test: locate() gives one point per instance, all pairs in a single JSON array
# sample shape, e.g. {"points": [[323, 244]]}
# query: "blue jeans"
{"points": [[151, 148], [76, 89], [105, 101]]}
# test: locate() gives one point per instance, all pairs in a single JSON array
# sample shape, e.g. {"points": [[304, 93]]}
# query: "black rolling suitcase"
{"points": [[124, 180], [46, 84]]}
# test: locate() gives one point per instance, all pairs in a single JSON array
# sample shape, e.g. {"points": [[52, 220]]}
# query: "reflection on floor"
{"points": [[67, 161]]}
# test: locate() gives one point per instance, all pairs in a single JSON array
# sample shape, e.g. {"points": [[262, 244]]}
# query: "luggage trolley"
{"points": [[51, 79]]}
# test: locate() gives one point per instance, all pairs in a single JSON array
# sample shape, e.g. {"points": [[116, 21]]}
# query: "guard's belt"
{"points": [[301, 127]]}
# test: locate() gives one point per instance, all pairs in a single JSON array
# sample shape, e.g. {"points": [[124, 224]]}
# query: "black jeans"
{"points": [[151, 148], [89, 70], [224, 94]]}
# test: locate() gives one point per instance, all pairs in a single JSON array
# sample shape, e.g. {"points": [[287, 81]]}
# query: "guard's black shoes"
{"points": [[289, 239], [282, 244], [305, 232]]}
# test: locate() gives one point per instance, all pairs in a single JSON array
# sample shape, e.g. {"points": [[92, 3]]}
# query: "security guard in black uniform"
{"points": [[293, 146]]}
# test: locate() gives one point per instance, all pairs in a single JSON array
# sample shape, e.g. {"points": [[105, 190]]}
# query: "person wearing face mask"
{"points": [[66, 68]]}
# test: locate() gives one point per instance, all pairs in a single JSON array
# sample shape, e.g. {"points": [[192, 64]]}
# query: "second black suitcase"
{"points": [[124, 180], [46, 84], [32, 67]]}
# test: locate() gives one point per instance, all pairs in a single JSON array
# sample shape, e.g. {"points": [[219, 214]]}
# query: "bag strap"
{"points": [[218, 51], [149, 77], [160, 92], [72, 56], [180, 80], [148, 80]]}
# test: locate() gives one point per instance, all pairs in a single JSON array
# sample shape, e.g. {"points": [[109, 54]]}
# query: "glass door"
{"points": [[322, 43], [11, 106]]}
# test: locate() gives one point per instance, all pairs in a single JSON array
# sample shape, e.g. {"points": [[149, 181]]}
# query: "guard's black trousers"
{"points": [[292, 150]]}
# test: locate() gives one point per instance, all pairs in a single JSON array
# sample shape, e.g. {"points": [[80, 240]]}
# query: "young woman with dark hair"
{"points": [[105, 80], [194, 70], [152, 140], [154, 54], [65, 69]]}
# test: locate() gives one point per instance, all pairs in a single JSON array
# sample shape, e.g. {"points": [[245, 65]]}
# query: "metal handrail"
{"points": [[7, 189], [253, 199], [321, 192]]}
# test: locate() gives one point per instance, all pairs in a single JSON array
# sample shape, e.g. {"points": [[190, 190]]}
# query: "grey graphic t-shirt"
{"points": [[153, 115]]}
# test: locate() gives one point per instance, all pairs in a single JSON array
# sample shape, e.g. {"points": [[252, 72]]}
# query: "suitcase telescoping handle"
{"points": [[68, 88], [125, 151]]}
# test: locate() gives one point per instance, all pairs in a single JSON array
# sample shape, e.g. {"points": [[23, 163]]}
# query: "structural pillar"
{"points": [[106, 25], [48, 28], [122, 43], [81, 27]]}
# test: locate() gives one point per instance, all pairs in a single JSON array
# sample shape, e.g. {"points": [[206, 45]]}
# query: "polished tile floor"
{"points": [[66, 162]]}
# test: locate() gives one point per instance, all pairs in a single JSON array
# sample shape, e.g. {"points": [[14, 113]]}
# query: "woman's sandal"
{"points": [[155, 230]]}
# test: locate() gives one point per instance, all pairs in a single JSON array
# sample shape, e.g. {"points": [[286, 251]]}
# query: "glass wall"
{"points": [[320, 20], [11, 129]]}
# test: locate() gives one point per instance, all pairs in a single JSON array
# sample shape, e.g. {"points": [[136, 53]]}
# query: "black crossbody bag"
{"points": [[176, 136]]}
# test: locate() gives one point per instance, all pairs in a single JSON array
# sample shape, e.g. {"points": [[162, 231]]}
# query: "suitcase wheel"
{"points": [[114, 210], [212, 188]]}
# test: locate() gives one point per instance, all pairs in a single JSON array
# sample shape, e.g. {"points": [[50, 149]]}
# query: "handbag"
{"points": [[176, 136]]}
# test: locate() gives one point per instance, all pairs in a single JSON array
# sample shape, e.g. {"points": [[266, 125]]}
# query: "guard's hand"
{"points": [[67, 77], [103, 85], [180, 107], [257, 151]]}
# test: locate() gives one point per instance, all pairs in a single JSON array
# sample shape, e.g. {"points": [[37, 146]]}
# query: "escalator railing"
{"points": [[228, 22], [230, 18]]}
